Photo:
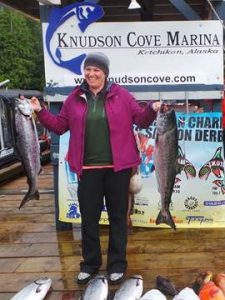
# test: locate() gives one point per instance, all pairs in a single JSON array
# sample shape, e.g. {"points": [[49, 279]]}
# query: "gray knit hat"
{"points": [[99, 60]]}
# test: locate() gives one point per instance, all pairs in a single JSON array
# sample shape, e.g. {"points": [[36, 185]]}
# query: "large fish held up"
{"points": [[36, 290], [165, 161], [27, 146]]}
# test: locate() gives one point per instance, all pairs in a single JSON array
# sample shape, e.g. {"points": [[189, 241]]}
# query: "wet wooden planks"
{"points": [[30, 247]]}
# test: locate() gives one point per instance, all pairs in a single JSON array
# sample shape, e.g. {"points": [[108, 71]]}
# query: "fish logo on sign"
{"points": [[83, 14]]}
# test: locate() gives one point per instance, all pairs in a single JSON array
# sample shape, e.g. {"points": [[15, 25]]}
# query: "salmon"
{"points": [[130, 289], [96, 289], [36, 290], [27, 146], [165, 161]]}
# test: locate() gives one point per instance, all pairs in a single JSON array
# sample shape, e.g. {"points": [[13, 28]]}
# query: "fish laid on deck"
{"points": [[27, 145], [97, 289], [36, 290], [166, 286], [130, 289], [165, 161], [186, 294], [153, 294]]}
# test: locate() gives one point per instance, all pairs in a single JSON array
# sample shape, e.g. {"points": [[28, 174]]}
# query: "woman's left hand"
{"points": [[157, 105]]}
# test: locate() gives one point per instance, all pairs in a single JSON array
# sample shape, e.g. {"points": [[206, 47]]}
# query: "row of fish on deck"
{"points": [[166, 152], [204, 287]]}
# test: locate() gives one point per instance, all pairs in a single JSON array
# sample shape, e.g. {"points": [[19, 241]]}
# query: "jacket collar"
{"points": [[83, 89]]}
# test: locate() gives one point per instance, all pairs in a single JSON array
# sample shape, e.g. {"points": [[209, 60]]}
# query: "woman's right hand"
{"points": [[35, 103]]}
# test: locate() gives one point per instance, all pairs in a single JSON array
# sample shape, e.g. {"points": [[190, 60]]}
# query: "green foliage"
{"points": [[21, 51]]}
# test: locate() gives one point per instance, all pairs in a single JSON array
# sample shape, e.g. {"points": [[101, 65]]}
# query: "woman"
{"points": [[102, 151]]}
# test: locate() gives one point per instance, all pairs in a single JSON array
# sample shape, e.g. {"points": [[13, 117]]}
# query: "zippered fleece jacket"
{"points": [[122, 111]]}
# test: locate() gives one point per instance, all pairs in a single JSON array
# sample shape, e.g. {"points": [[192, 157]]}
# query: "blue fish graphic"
{"points": [[86, 13]]}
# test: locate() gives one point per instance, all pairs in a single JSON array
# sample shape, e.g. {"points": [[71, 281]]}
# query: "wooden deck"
{"points": [[30, 247]]}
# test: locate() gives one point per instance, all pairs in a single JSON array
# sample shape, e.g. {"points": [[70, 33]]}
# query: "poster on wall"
{"points": [[198, 198]]}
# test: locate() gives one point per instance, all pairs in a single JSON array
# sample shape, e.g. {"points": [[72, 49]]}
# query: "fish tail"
{"points": [[29, 196], [166, 219]]}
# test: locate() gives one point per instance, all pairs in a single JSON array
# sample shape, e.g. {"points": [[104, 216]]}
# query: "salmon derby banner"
{"points": [[198, 198], [141, 53]]}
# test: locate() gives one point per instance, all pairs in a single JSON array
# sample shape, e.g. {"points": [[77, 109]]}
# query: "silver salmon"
{"points": [[186, 294], [153, 294], [36, 290], [97, 289], [28, 147], [165, 161], [131, 289]]}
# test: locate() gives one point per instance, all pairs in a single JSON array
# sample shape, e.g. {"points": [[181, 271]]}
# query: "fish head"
{"points": [[166, 286], [153, 294], [24, 107], [165, 121], [102, 278], [138, 280], [43, 285], [96, 289]]}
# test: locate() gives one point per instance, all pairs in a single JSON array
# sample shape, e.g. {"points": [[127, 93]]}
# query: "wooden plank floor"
{"points": [[30, 247]]}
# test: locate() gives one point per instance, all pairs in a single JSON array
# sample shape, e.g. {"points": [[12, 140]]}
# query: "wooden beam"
{"points": [[185, 9], [50, 2]]}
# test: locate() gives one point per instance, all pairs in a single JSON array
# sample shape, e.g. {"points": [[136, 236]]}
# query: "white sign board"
{"points": [[177, 53]]}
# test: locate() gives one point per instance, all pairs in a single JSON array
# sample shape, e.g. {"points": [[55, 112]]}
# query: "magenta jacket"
{"points": [[122, 111]]}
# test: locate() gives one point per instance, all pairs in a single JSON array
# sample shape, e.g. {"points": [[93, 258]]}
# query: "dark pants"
{"points": [[94, 184]]}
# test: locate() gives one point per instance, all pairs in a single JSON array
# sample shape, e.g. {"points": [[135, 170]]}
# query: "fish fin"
{"points": [[166, 219], [74, 64], [28, 197]]}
